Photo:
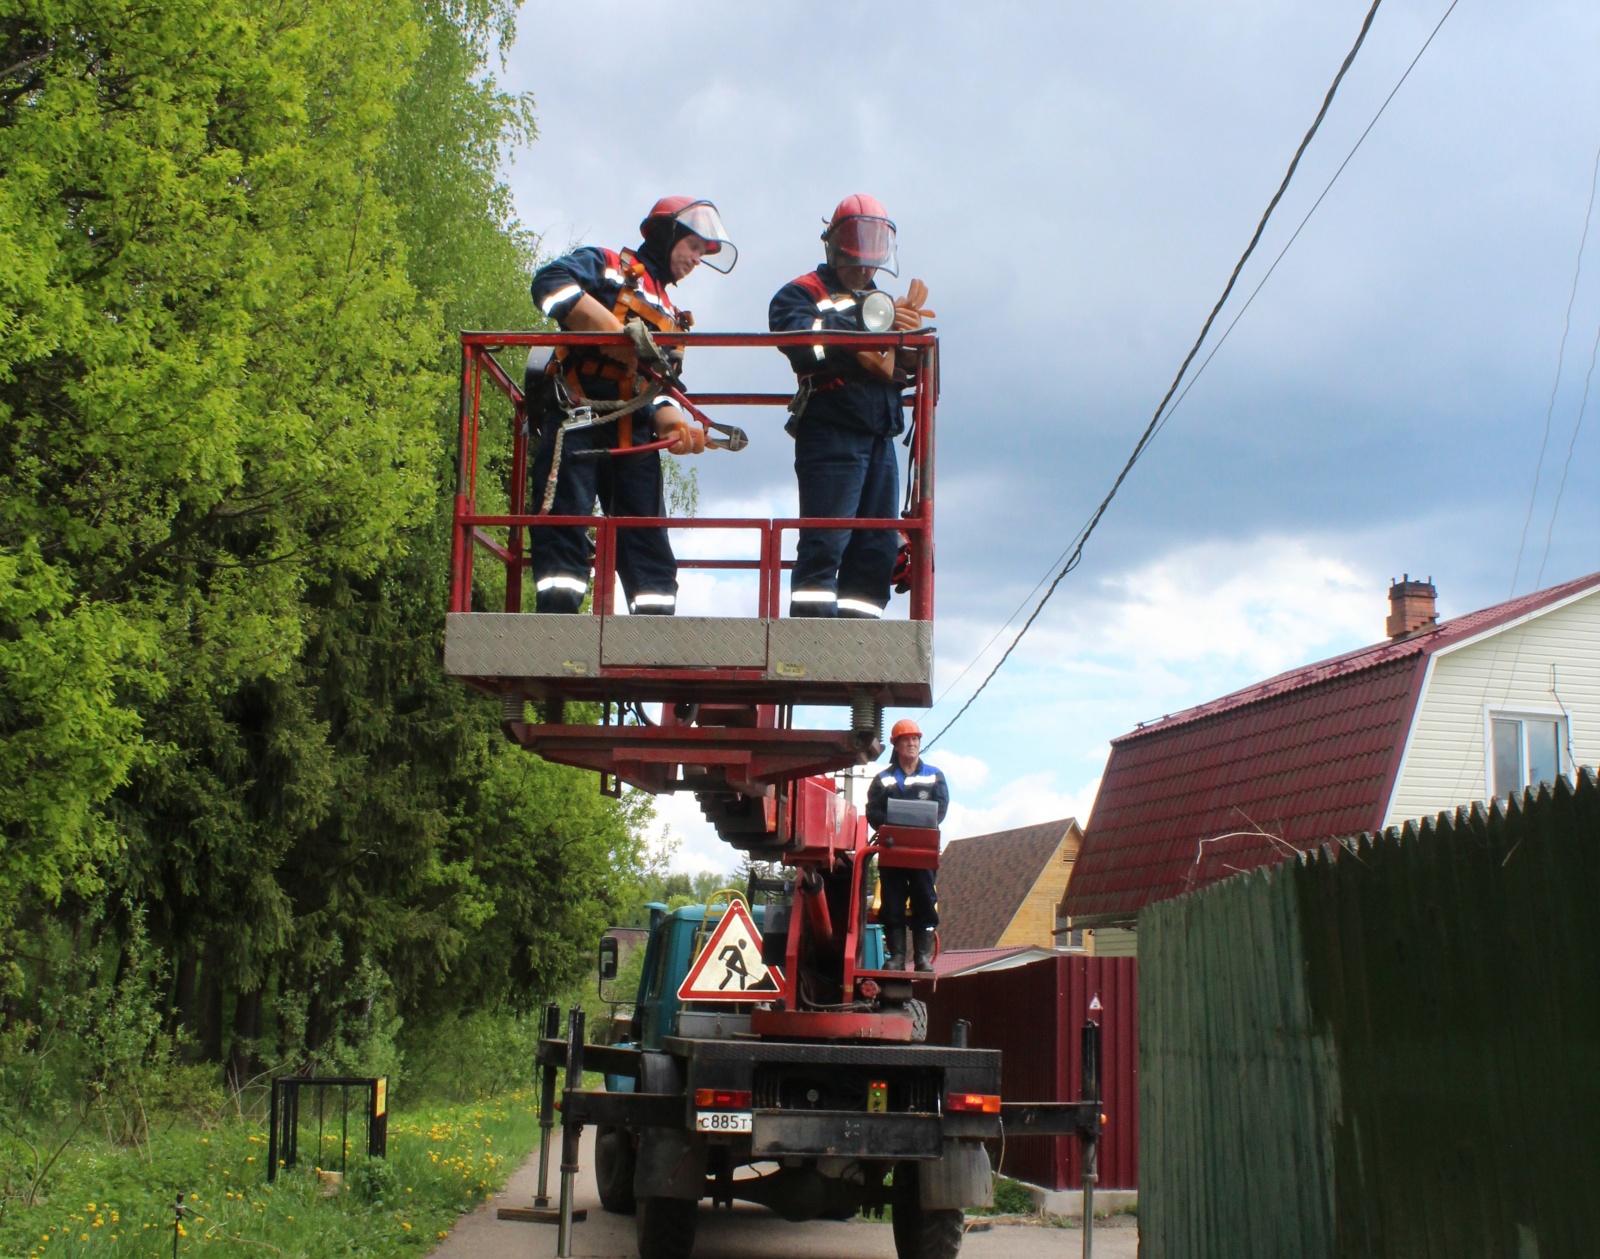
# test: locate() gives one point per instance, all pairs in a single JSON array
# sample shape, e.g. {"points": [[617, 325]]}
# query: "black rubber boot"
{"points": [[894, 939], [923, 943]]}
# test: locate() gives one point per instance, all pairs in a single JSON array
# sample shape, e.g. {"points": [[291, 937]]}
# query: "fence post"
{"points": [[1090, 1145], [272, 1134]]}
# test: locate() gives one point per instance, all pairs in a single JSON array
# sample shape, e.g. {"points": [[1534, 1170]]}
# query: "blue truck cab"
{"points": [[669, 953]]}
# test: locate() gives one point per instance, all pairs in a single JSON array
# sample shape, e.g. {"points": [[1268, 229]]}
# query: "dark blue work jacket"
{"points": [[844, 393], [893, 783], [629, 285]]}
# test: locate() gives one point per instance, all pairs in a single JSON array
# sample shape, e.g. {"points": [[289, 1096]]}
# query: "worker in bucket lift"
{"points": [[908, 777], [596, 290], [846, 414]]}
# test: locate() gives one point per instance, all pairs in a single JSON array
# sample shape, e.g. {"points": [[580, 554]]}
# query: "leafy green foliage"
{"points": [[244, 819], [442, 1161]]}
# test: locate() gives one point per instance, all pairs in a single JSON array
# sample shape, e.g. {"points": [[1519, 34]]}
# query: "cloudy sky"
{"points": [[1074, 182]]}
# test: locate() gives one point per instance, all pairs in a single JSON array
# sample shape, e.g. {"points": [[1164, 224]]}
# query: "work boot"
{"points": [[894, 939], [924, 948]]}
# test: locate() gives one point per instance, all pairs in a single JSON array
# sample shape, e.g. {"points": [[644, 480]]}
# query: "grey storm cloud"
{"points": [[1074, 182]]}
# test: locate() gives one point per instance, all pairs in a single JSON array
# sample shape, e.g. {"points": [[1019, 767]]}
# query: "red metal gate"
{"points": [[1033, 1014]]}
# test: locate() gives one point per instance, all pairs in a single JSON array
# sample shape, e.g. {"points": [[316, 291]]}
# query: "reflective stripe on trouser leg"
{"points": [[830, 465], [812, 603], [559, 557], [866, 568], [631, 485]]}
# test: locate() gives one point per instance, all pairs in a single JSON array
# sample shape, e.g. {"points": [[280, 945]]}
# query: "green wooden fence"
{"points": [[1390, 1047]]}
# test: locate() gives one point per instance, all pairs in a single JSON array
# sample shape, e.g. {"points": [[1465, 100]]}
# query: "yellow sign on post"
{"points": [[381, 1096]]}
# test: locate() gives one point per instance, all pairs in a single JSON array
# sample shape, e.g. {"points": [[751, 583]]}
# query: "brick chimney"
{"points": [[1411, 608]]}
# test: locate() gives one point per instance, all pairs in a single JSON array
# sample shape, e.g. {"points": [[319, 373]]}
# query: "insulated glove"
{"points": [[687, 437]]}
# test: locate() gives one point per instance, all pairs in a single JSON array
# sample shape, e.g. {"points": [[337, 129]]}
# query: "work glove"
{"points": [[908, 312], [687, 437], [645, 349]]}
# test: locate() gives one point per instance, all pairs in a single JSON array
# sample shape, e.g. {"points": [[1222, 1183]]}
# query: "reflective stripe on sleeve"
{"points": [[562, 583], [816, 326], [860, 605], [560, 295]]}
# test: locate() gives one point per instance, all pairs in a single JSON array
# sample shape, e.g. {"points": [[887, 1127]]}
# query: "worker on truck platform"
{"points": [[596, 290], [845, 417], [908, 777]]}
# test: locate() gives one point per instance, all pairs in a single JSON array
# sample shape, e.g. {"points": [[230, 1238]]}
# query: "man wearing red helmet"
{"points": [[908, 777], [596, 290], [846, 416]]}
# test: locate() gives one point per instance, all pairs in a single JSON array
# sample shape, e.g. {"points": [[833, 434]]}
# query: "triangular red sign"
{"points": [[729, 967]]}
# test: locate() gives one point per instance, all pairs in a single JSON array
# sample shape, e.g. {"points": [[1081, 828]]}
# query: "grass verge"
{"points": [[117, 1203]]}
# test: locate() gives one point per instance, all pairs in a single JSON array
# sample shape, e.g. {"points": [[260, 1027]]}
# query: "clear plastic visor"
{"points": [[863, 242], [702, 219]]}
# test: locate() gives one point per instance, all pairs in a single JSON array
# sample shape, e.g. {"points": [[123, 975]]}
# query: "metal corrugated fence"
{"points": [[1388, 1048], [1033, 1014]]}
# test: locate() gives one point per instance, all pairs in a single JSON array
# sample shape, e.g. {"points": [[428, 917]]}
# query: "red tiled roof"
{"points": [[951, 961], [1257, 775], [984, 880]]}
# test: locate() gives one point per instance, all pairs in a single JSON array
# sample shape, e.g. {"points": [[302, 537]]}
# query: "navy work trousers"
{"points": [[624, 485], [843, 472], [895, 885]]}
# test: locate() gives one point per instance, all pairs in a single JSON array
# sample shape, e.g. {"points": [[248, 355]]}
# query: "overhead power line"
{"points": [[1074, 552]]}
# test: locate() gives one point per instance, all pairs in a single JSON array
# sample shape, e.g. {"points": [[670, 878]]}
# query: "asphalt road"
{"points": [[746, 1232]]}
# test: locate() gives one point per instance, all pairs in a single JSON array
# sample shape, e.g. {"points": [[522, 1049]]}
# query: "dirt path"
{"points": [[746, 1232]]}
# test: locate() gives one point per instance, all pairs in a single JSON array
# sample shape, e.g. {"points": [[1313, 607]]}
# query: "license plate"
{"points": [[722, 1121]]}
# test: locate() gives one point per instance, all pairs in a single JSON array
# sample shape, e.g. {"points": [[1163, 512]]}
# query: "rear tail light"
{"points": [[722, 1099], [972, 1103]]}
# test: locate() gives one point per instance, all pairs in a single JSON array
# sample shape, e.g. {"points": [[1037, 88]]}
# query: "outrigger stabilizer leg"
{"points": [[571, 1132], [547, 1106]]}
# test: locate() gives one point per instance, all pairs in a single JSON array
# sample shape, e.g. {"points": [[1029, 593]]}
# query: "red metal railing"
{"points": [[470, 531]]}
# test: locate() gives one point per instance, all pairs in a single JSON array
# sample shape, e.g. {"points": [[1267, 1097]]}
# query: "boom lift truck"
{"points": [[824, 1077]]}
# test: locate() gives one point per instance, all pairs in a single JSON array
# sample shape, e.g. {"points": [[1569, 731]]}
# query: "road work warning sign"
{"points": [[729, 967]]}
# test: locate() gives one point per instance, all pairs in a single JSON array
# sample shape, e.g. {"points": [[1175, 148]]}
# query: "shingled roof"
{"points": [[1263, 773], [984, 880]]}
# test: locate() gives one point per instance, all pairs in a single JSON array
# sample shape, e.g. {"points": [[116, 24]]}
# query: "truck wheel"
{"points": [[918, 1232], [664, 1228], [614, 1160], [918, 1011]]}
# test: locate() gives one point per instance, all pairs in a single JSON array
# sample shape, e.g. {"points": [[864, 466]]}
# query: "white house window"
{"points": [[1524, 751]]}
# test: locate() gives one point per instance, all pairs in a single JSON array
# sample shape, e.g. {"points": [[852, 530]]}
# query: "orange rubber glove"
{"points": [[687, 437]]}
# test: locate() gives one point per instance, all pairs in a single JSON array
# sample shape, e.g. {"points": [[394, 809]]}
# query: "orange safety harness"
{"points": [[639, 296]]}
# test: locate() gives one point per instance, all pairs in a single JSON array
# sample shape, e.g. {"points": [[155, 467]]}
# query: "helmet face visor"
{"points": [[860, 241], [702, 219]]}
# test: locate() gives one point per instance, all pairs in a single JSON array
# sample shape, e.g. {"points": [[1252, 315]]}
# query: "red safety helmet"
{"points": [[860, 235], [701, 218], [904, 727]]}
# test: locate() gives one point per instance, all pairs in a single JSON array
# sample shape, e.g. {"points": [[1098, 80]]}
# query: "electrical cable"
{"points": [[1140, 446], [1206, 362], [1561, 358]]}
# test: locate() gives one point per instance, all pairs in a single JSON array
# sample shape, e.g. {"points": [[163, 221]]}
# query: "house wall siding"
{"points": [[1444, 765], [1035, 919]]}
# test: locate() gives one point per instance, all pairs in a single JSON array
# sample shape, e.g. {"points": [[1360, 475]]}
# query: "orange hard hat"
{"points": [[905, 726]]}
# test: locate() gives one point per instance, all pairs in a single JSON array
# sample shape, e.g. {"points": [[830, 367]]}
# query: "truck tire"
{"points": [[918, 1232], [918, 1011], [614, 1161], [664, 1227]]}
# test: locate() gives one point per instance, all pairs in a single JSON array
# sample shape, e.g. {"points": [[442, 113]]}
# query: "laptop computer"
{"points": [[923, 813]]}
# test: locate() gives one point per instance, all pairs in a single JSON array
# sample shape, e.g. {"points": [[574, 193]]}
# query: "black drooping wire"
{"points": [[1075, 554]]}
